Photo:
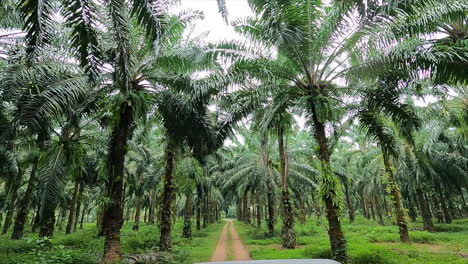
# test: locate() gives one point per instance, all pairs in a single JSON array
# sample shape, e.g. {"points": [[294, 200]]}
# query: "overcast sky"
{"points": [[213, 21]]}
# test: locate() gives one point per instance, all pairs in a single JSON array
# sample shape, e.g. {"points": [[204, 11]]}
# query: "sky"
{"points": [[219, 29], [213, 21]]}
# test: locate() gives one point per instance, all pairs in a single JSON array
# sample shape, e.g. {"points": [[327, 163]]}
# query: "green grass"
{"points": [[368, 243], [204, 243], [83, 247]]}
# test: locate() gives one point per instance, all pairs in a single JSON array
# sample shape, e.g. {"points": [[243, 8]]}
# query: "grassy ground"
{"points": [[368, 243], [83, 247]]}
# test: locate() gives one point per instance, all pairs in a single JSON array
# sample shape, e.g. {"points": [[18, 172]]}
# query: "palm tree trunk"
{"points": [[198, 212], [287, 233], [18, 228], [378, 210], [445, 212], [78, 207], [152, 207], [363, 205], [82, 217], [245, 208], [426, 215], [349, 204], [330, 194], [371, 205], [270, 191], [47, 226], [437, 210], [387, 211], [100, 220], [396, 199], [74, 201], [11, 203], [301, 208], [59, 223], [412, 210], [259, 209], [464, 205], [113, 213], [166, 198], [187, 231], [451, 206], [36, 219], [136, 223], [204, 213]]}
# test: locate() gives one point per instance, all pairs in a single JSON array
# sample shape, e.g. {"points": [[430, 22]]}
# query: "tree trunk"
{"points": [[445, 212], [330, 189], [364, 206], [451, 206], [11, 203], [377, 209], [464, 205], [59, 223], [36, 219], [82, 217], [387, 210], [187, 231], [245, 208], [99, 221], [428, 205], [166, 198], [136, 223], [412, 211], [371, 205], [113, 213], [78, 206], [259, 209], [47, 227], [18, 228], [426, 215], [438, 212], [396, 199], [74, 201], [152, 207], [302, 216], [349, 204], [198, 212], [270, 192], [204, 209], [288, 234]]}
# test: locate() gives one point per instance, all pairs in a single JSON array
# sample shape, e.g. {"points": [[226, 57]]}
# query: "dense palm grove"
{"points": [[110, 112]]}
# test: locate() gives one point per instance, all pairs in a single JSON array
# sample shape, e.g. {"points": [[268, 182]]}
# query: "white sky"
{"points": [[213, 21]]}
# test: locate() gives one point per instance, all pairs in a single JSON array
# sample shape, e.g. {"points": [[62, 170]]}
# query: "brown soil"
{"points": [[239, 251], [220, 252]]}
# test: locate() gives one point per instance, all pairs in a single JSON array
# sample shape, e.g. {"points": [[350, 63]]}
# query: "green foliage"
{"points": [[330, 186]]}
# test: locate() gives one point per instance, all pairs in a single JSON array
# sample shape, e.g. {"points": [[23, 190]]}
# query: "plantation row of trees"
{"points": [[112, 113]]}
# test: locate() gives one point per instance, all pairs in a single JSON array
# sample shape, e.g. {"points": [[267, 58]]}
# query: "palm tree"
{"points": [[311, 55], [279, 121], [385, 132]]}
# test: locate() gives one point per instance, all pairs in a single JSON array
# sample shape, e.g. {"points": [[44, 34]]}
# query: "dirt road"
{"points": [[229, 245]]}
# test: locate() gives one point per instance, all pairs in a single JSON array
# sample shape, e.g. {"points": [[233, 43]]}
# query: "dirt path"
{"points": [[220, 252], [239, 252]]}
